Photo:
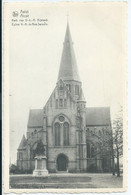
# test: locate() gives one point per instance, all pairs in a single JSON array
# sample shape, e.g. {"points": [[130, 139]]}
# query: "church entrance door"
{"points": [[62, 163]]}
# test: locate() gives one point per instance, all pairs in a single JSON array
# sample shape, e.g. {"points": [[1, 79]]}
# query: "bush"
{"points": [[13, 169]]}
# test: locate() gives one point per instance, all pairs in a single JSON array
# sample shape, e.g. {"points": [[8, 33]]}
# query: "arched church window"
{"points": [[61, 86], [69, 87], [76, 89], [87, 130], [66, 134], [88, 150], [56, 103], [65, 103], [57, 134], [20, 155], [61, 102], [99, 132], [92, 151]]}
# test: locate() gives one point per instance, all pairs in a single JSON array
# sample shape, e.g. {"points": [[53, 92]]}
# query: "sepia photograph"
{"points": [[65, 124]]}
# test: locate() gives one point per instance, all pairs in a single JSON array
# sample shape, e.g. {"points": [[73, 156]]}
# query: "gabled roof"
{"points": [[23, 143], [94, 116], [68, 67], [35, 118], [98, 116]]}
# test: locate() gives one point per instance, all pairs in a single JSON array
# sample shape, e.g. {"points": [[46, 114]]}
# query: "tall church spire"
{"points": [[68, 67]]}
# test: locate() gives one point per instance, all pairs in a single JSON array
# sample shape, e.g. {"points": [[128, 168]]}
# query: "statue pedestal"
{"points": [[40, 166]]}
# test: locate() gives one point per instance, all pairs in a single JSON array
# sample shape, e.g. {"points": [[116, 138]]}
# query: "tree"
{"points": [[105, 149], [109, 144], [101, 143], [113, 142], [118, 139]]}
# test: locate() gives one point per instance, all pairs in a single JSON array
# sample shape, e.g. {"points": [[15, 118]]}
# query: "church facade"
{"points": [[70, 131]]}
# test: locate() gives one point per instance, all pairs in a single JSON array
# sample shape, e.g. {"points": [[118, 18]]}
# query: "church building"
{"points": [[71, 133]]}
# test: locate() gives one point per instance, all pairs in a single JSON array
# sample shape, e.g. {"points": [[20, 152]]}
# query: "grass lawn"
{"points": [[66, 181]]}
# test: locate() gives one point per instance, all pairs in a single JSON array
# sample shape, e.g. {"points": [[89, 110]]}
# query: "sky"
{"points": [[98, 34]]}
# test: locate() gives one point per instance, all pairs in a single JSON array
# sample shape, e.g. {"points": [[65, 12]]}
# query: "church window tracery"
{"points": [[61, 118], [99, 132], [61, 102], [61, 86], [66, 134], [56, 103], [57, 134], [92, 151], [20, 155], [61, 131], [69, 87], [88, 150], [65, 103]]}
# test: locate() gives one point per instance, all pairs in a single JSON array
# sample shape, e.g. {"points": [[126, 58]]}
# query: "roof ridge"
{"points": [[100, 116]]}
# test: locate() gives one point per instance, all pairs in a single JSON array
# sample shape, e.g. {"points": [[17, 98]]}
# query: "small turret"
{"points": [[81, 102]]}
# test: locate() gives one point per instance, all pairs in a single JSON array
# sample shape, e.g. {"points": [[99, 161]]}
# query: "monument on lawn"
{"points": [[40, 160]]}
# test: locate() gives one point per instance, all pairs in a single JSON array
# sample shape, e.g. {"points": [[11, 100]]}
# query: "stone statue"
{"points": [[40, 149], [40, 160]]}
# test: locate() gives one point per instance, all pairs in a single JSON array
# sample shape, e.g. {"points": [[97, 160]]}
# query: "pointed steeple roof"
{"points": [[68, 67], [81, 97], [22, 143]]}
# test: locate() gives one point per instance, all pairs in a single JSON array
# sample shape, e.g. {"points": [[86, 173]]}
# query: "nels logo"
{"points": [[15, 13]]}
